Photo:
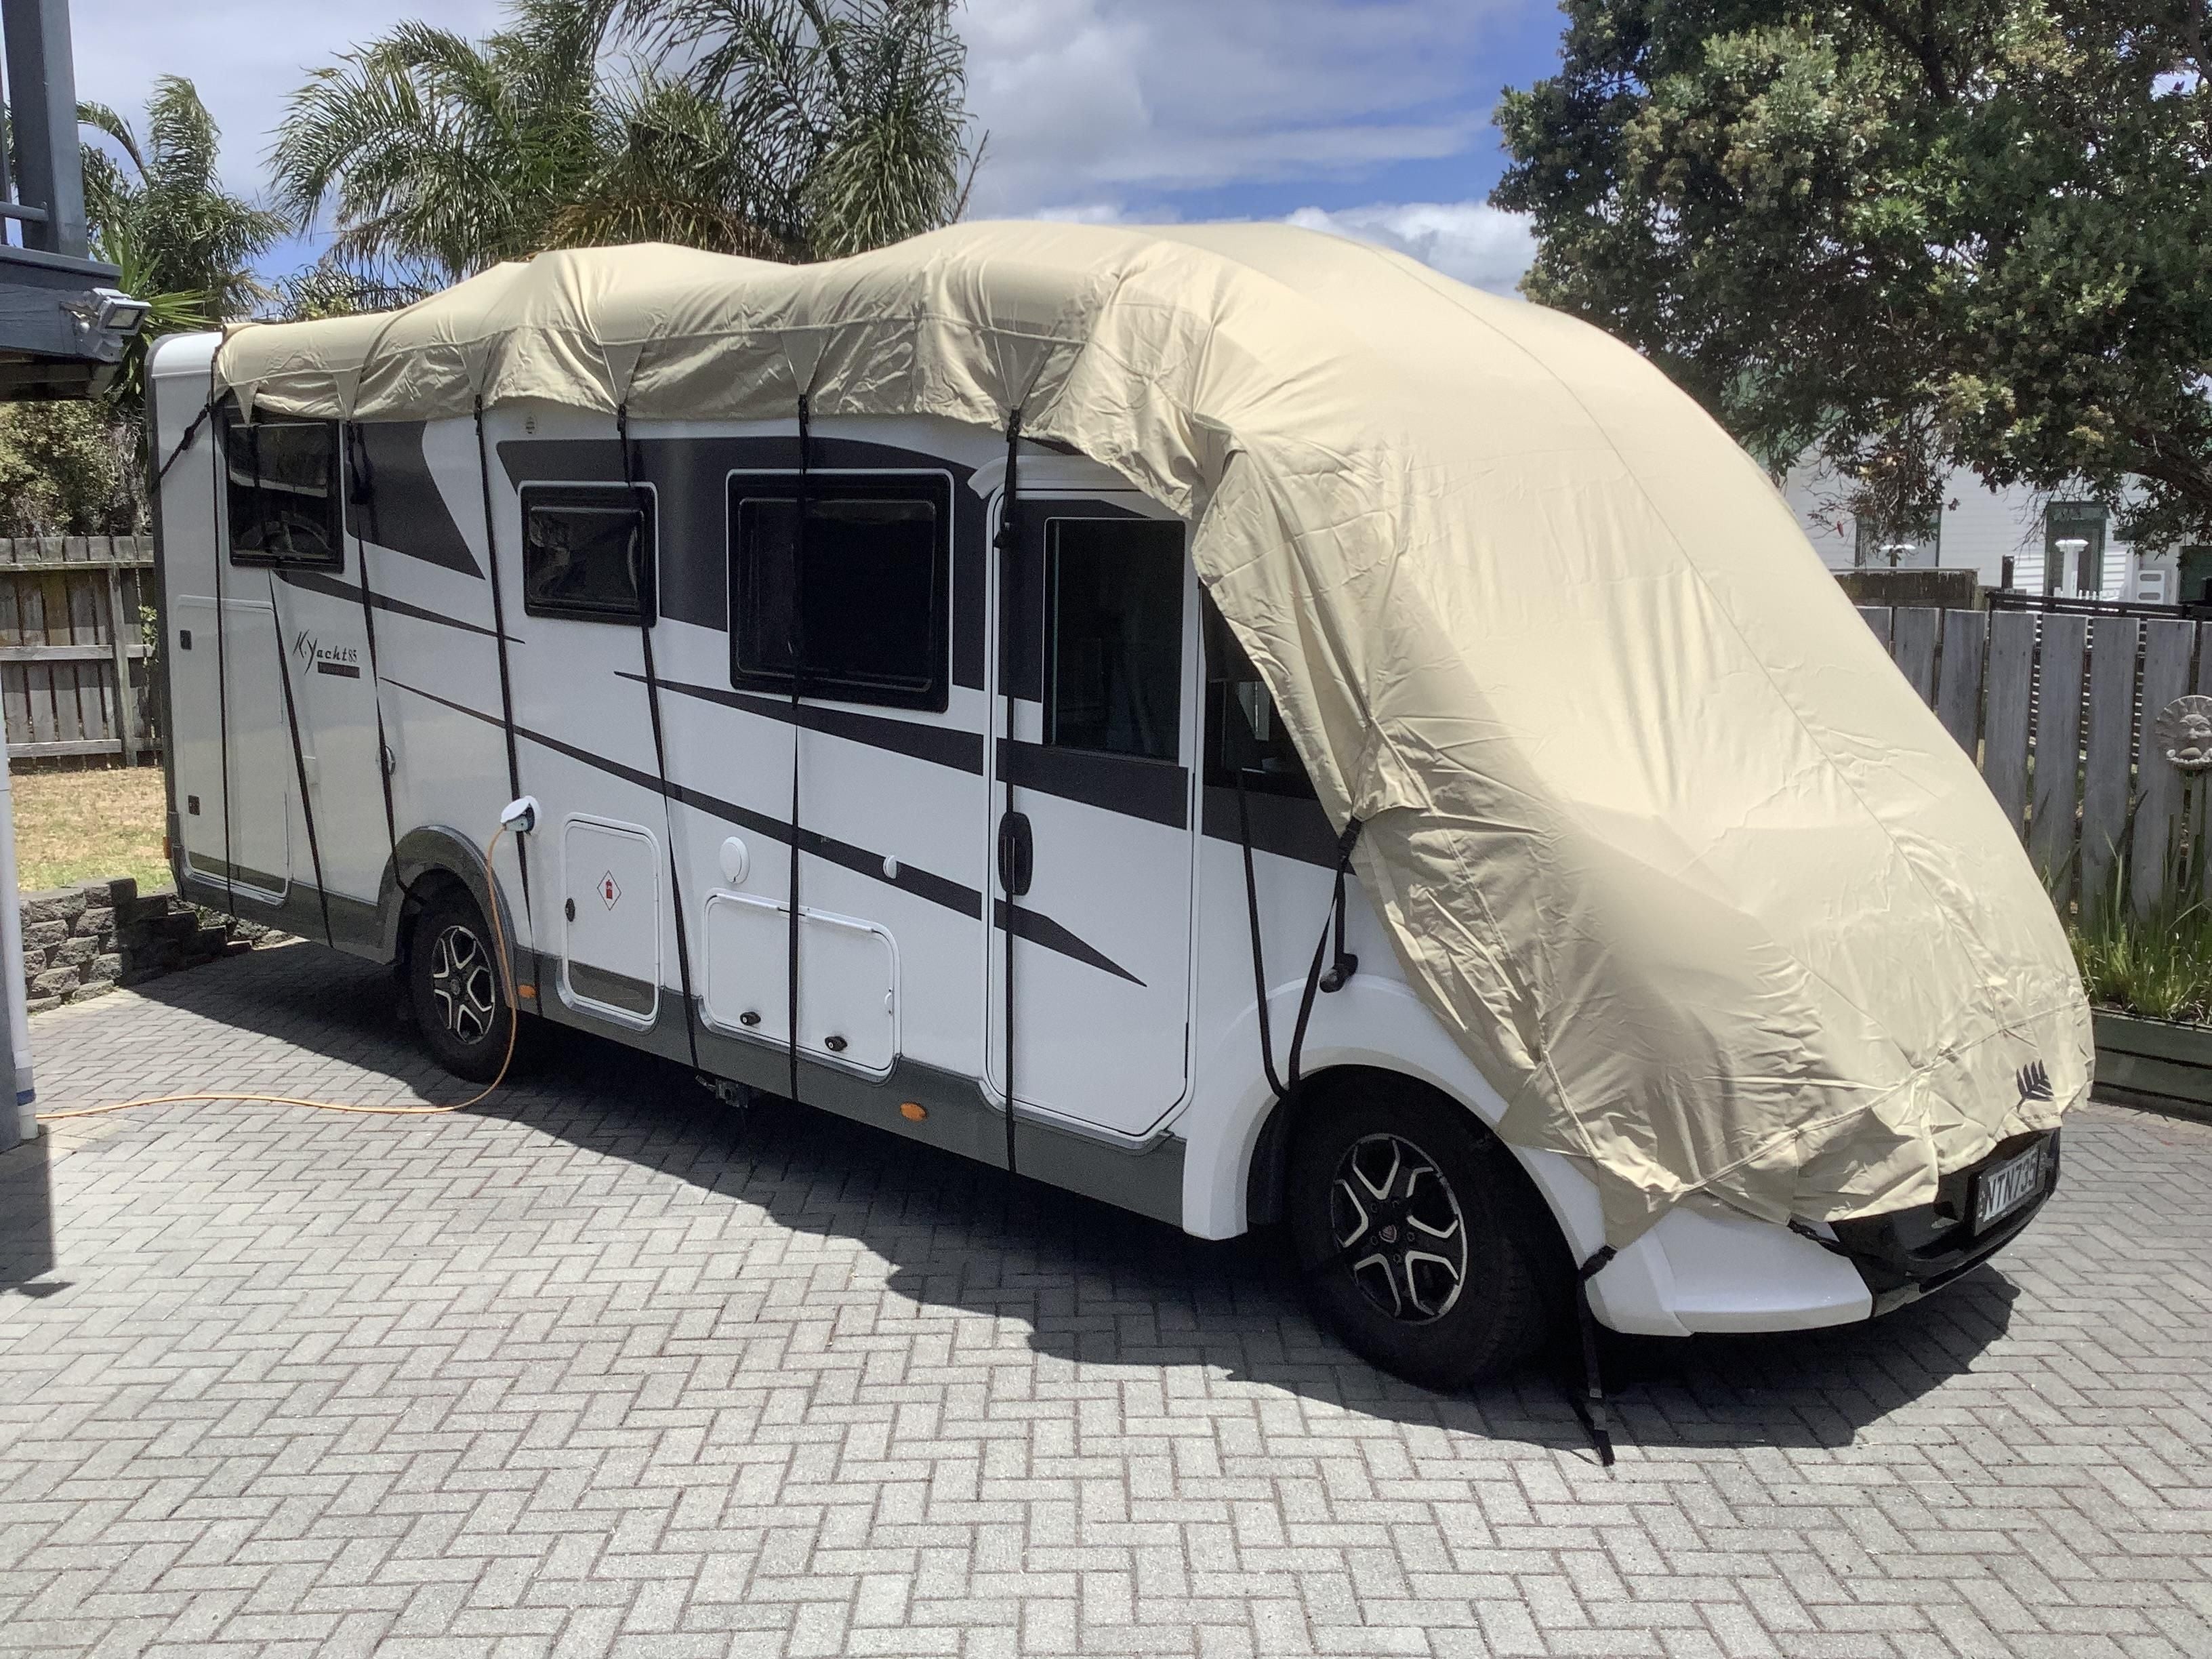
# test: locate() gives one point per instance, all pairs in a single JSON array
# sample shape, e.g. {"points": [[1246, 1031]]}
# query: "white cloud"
{"points": [[1098, 110], [1090, 100], [247, 56], [1471, 241]]}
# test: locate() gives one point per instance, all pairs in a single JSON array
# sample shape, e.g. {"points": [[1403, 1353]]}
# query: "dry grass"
{"points": [[92, 825]]}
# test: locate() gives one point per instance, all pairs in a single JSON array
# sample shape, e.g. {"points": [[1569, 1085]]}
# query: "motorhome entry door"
{"points": [[1093, 852]]}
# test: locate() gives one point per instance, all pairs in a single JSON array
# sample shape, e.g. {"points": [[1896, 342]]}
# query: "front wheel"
{"points": [[1412, 1236], [455, 986]]}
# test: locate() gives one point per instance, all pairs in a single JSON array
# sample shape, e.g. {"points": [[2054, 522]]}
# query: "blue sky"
{"points": [[1367, 117]]}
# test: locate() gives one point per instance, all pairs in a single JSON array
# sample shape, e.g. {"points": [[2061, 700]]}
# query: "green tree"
{"points": [[161, 203], [158, 212], [1908, 233], [783, 129], [70, 468]]}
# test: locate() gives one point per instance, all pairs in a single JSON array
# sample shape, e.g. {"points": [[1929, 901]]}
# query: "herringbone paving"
{"points": [[607, 1368]]}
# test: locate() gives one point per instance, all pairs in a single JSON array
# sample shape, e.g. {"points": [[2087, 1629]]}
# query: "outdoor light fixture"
{"points": [[106, 318], [119, 313]]}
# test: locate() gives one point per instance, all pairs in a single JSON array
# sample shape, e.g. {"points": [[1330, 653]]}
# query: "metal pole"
{"points": [[25, 1120], [42, 87]]}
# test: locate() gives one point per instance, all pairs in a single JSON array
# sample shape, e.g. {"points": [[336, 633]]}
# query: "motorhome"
{"points": [[765, 707]]}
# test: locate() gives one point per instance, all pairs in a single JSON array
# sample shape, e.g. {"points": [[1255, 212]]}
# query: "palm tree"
{"points": [[854, 112], [163, 201], [781, 129], [159, 213]]}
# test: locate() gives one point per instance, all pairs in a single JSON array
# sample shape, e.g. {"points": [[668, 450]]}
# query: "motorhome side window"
{"points": [[1114, 636], [1243, 731], [876, 588], [587, 552], [280, 491]]}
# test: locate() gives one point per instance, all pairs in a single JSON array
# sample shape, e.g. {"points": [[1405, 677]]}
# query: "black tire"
{"points": [[1449, 1293], [456, 988]]}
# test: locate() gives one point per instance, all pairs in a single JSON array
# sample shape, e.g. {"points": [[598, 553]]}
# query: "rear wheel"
{"points": [[1410, 1228], [454, 985]]}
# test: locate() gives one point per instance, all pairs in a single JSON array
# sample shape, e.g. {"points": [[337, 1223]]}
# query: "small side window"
{"points": [[587, 552], [1114, 636], [877, 582], [1243, 732], [281, 491]]}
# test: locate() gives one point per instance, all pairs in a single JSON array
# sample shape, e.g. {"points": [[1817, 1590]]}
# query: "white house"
{"points": [[2019, 538]]}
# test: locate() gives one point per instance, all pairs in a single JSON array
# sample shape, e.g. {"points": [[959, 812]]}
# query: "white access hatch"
{"points": [[610, 925], [848, 980]]}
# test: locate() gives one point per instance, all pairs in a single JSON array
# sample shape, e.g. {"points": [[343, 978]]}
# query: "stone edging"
{"points": [[80, 942]]}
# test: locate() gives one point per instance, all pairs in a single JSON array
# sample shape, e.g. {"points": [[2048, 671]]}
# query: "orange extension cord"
{"points": [[514, 1025]]}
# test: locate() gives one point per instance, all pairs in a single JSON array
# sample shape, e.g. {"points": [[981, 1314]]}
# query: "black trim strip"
{"points": [[330, 588], [940, 745], [1157, 791], [924, 884], [1044, 931], [299, 765], [394, 477], [1289, 826]]}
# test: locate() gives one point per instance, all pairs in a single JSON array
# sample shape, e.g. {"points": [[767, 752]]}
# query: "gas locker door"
{"points": [[611, 911], [1091, 793]]}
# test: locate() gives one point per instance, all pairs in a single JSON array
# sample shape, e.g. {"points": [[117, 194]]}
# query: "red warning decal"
{"points": [[609, 889]]}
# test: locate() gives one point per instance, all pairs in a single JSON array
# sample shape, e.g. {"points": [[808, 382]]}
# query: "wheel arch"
{"points": [[1317, 1093], [428, 860]]}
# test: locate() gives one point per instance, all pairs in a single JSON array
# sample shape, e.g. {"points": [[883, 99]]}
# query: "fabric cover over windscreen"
{"points": [[1658, 831]]}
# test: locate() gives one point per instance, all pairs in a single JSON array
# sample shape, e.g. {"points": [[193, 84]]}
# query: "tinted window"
{"points": [[1243, 732], [586, 549], [1114, 636], [875, 588], [281, 491]]}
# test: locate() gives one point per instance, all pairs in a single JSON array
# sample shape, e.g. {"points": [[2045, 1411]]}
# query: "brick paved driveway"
{"points": [[608, 1370]]}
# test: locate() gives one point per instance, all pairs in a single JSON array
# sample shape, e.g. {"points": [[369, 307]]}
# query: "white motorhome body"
{"points": [[352, 707]]}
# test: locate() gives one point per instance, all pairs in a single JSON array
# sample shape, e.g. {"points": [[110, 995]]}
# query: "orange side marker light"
{"points": [[913, 1110]]}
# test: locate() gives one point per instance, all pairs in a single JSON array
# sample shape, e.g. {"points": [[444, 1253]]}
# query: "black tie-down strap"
{"points": [[1590, 1406], [1330, 977]]}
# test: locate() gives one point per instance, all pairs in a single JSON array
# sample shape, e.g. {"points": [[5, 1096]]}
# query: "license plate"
{"points": [[2004, 1187]]}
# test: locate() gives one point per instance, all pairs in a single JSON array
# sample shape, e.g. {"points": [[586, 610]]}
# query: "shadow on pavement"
{"points": [[1086, 1282], [27, 1219]]}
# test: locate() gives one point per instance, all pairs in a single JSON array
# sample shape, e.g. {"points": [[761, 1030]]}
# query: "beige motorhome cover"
{"points": [[1659, 832]]}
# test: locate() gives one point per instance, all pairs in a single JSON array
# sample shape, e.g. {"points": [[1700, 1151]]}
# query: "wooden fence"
{"points": [[2061, 714], [73, 654]]}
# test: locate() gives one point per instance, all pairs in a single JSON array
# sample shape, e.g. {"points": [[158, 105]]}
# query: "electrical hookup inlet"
{"points": [[519, 815]]}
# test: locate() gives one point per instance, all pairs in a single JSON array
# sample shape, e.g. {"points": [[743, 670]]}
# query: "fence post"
{"points": [[1959, 687], [2011, 689], [2168, 645], [2112, 651], [126, 705], [2058, 755], [1913, 645]]}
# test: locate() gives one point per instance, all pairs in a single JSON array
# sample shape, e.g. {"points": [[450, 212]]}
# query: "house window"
{"points": [[1243, 731], [1918, 549], [587, 552], [877, 587], [2073, 548], [280, 491], [1114, 636]]}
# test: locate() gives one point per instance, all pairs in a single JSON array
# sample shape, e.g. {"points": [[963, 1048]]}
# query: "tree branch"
{"points": [[1920, 43]]}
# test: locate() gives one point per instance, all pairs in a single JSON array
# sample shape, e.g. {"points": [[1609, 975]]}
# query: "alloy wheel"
{"points": [[1398, 1229], [463, 985]]}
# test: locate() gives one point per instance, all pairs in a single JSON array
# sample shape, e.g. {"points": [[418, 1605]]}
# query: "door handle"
{"points": [[1017, 854]]}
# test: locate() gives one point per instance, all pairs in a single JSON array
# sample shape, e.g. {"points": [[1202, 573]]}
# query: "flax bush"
{"points": [[2158, 965]]}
